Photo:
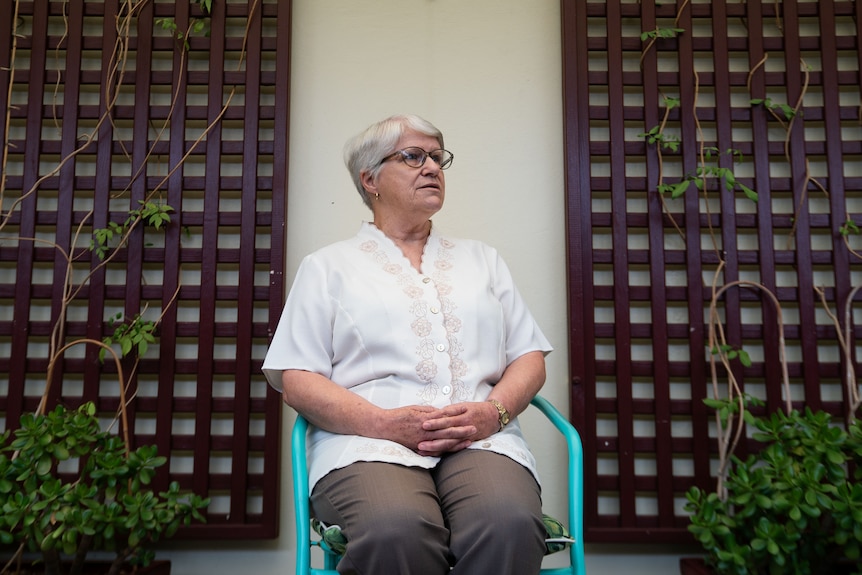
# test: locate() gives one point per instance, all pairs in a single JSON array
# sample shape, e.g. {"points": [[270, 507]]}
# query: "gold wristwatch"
{"points": [[504, 413]]}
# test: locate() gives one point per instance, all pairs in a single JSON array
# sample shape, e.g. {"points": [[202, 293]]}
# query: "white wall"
{"points": [[488, 74]]}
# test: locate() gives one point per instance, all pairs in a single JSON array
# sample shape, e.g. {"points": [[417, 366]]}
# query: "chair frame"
{"points": [[304, 543]]}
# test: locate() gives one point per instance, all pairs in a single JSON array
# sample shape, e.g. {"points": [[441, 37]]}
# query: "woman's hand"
{"points": [[521, 381], [479, 416], [428, 430]]}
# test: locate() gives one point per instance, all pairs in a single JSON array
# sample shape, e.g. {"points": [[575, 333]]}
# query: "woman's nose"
{"points": [[429, 165]]}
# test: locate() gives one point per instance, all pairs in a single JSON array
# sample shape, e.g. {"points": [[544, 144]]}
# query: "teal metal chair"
{"points": [[304, 541]]}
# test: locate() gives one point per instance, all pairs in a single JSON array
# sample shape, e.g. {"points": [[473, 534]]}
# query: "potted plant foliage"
{"points": [[68, 487], [794, 507], [793, 504]]}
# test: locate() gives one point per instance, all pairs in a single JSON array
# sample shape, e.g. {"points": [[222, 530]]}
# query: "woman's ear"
{"points": [[368, 182]]}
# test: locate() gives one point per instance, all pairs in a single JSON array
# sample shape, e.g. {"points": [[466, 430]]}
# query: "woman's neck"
{"points": [[404, 233], [409, 239]]}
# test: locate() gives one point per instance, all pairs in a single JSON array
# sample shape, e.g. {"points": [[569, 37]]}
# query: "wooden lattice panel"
{"points": [[640, 287], [100, 120]]}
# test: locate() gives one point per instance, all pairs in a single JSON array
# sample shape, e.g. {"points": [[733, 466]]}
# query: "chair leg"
{"points": [[330, 560]]}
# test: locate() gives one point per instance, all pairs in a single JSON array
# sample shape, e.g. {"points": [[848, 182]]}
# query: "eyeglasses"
{"points": [[415, 157]]}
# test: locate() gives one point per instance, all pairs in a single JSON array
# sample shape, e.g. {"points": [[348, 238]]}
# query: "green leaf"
{"points": [[61, 453], [43, 467], [729, 178], [6, 486], [835, 456], [849, 227], [671, 103], [749, 193], [713, 403], [680, 188], [758, 544], [772, 547]]}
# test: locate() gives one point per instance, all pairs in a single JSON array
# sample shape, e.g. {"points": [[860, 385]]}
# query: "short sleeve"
{"points": [[303, 338], [523, 334]]}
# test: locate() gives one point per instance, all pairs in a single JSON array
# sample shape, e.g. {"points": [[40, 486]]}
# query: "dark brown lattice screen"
{"points": [[779, 83], [193, 117]]}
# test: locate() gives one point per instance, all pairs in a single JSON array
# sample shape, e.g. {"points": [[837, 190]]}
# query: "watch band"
{"points": [[503, 413]]}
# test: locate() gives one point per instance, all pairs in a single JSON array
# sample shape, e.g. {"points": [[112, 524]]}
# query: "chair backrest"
{"points": [[575, 517]]}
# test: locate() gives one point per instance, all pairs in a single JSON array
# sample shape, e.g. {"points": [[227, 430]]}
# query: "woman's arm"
{"points": [[520, 383], [331, 407]]}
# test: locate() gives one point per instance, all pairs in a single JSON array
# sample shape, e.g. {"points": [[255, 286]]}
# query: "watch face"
{"points": [[504, 413]]}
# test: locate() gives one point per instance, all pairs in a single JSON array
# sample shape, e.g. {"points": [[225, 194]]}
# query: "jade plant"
{"points": [[794, 507], [68, 487]]}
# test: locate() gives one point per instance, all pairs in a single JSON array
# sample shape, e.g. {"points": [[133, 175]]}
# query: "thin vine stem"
{"points": [[5, 153], [664, 205], [662, 126], [844, 339], [124, 416], [716, 340]]}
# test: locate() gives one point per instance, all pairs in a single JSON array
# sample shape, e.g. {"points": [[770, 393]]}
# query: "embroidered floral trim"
{"points": [[388, 450], [422, 326], [451, 322]]}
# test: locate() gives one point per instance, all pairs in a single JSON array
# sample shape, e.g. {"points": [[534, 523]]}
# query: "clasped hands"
{"points": [[433, 431]]}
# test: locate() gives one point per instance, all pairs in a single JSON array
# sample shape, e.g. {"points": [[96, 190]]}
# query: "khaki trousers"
{"points": [[476, 513]]}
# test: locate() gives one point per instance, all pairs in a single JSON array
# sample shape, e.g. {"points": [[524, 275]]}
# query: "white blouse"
{"points": [[359, 314]]}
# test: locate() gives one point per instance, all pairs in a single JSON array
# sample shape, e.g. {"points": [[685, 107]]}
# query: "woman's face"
{"points": [[408, 192]]}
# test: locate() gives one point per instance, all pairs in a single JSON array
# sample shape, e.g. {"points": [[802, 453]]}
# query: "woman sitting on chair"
{"points": [[411, 354]]}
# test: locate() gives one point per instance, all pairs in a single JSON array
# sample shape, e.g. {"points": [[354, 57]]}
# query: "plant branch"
{"points": [[5, 154], [716, 341], [844, 338], [806, 78], [15, 559], [43, 403]]}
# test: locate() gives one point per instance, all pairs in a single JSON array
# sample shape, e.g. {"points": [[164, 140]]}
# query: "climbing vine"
{"points": [[714, 174]]}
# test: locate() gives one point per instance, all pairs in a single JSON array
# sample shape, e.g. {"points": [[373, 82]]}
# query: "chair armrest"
{"points": [[576, 478]]}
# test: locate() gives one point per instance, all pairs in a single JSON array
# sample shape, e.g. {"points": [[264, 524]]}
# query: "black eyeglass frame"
{"points": [[423, 156]]}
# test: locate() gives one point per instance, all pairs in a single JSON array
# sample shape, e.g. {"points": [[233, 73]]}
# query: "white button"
{"points": [[441, 347], [435, 310], [426, 280], [486, 445], [447, 390]]}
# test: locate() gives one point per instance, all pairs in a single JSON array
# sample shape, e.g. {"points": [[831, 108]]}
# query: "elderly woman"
{"points": [[411, 354]]}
